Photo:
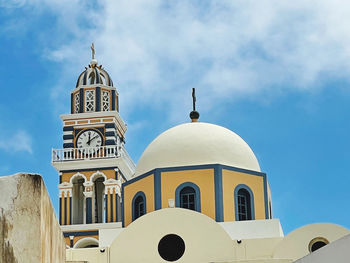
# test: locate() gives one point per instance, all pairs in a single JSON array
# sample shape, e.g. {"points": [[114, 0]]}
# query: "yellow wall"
{"points": [[145, 185], [203, 178], [109, 173], [230, 179]]}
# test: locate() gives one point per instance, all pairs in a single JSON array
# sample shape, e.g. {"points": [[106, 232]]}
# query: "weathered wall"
{"points": [[52, 240], [29, 231]]}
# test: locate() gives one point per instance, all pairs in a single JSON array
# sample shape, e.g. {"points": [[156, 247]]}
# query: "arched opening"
{"points": [[92, 78], [103, 79], [138, 205], [317, 243], [78, 200], [86, 242], [188, 198], [244, 203], [99, 196], [187, 195], [244, 208]]}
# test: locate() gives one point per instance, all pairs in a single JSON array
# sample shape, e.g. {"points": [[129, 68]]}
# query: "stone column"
{"points": [[65, 195], [88, 193], [112, 188]]}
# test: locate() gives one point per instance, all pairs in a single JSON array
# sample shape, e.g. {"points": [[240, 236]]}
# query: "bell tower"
{"points": [[93, 162]]}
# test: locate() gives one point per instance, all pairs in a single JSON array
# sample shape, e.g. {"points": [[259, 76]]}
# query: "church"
{"points": [[197, 194]]}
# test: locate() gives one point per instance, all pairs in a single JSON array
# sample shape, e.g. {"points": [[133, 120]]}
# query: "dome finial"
{"points": [[194, 115], [93, 60]]}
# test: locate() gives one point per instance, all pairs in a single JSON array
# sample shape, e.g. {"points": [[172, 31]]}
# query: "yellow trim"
{"points": [[69, 122], [95, 121], [68, 210], [83, 122], [107, 120]]}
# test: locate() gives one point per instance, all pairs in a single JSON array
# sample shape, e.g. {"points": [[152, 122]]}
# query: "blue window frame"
{"points": [[188, 198], [187, 195], [244, 203], [138, 205]]}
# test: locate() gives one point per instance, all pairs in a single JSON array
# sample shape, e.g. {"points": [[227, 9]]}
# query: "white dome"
{"points": [[197, 143]]}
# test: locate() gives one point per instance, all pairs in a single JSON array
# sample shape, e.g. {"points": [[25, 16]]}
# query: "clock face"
{"points": [[89, 139]]}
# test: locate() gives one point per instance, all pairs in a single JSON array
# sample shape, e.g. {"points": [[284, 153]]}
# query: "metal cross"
{"points": [[93, 50], [194, 98]]}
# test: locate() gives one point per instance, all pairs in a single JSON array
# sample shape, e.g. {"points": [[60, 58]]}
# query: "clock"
{"points": [[90, 139]]}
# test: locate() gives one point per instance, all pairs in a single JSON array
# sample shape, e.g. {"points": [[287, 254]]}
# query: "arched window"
{"points": [[99, 196], [188, 198], [78, 200], [187, 195], [244, 203], [138, 205], [86, 242]]}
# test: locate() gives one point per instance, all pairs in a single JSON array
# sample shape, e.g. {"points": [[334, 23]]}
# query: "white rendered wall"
{"points": [[336, 252], [253, 229]]}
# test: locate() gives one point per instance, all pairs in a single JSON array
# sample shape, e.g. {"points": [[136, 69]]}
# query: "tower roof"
{"points": [[93, 75]]}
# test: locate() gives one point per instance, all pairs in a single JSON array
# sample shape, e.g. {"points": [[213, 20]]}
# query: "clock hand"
{"points": [[93, 138], [89, 141]]}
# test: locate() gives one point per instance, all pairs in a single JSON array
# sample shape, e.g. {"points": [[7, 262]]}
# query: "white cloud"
{"points": [[158, 50], [19, 142]]}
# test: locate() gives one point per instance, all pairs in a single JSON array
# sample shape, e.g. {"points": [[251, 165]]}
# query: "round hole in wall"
{"points": [[171, 247], [317, 243]]}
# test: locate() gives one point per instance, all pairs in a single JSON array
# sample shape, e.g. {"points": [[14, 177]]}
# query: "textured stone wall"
{"points": [[29, 231]]}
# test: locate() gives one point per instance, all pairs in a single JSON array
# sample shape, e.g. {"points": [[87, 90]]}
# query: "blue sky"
{"points": [[277, 73]]}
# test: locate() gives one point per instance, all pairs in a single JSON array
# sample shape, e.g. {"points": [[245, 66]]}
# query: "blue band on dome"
{"points": [[266, 201], [157, 190], [219, 208]]}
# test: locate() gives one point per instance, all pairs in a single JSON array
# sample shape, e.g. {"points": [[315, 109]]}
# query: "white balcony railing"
{"points": [[90, 153], [73, 154]]}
